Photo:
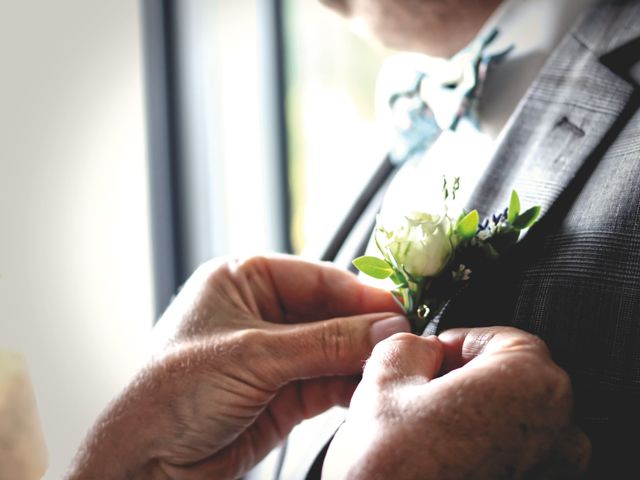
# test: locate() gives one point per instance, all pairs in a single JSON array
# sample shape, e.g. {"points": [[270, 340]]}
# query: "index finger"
{"points": [[461, 345], [310, 291]]}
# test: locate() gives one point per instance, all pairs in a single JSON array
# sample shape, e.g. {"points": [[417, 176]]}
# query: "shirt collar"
{"points": [[533, 28]]}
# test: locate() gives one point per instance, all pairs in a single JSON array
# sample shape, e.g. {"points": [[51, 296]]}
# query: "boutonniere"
{"points": [[430, 257]]}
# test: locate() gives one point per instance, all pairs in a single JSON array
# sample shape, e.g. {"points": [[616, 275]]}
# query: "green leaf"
{"points": [[398, 278], [514, 207], [374, 267], [527, 219], [468, 226]]}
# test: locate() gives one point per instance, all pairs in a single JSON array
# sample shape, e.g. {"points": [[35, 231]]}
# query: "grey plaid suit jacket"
{"points": [[573, 147]]}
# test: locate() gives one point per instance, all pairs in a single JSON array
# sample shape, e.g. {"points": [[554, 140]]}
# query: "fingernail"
{"points": [[385, 328]]}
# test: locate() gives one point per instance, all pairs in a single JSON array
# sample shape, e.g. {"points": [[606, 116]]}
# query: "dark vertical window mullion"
{"points": [[172, 49], [280, 58], [162, 87]]}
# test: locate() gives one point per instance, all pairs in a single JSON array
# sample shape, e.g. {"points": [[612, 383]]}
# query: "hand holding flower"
{"points": [[250, 349]]}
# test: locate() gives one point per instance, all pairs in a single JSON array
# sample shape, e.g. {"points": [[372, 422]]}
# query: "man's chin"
{"points": [[340, 6]]}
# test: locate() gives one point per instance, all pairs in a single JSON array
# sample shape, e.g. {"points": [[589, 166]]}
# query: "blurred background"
{"points": [[138, 139]]}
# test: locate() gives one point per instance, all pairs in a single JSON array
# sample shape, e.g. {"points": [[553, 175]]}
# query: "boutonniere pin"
{"points": [[429, 257]]}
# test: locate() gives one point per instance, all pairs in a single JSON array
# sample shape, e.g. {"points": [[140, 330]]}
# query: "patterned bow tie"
{"points": [[427, 96]]}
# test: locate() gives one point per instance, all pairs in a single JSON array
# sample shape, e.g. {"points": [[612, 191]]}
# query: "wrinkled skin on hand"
{"points": [[474, 404], [247, 350]]}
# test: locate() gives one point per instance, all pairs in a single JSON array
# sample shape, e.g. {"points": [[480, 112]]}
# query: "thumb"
{"points": [[403, 357], [332, 347]]}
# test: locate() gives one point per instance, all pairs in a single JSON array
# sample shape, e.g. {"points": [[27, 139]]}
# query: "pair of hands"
{"points": [[249, 349]]}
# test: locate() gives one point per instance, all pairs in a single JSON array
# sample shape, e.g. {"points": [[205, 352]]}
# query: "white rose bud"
{"points": [[421, 243]]}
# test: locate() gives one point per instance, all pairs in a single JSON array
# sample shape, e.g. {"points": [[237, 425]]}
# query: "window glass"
{"points": [[335, 143]]}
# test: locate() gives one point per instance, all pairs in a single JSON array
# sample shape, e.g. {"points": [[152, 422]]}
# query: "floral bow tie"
{"points": [[427, 96]]}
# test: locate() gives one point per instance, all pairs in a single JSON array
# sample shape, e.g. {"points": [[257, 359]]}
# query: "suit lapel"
{"points": [[575, 103], [582, 99]]}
